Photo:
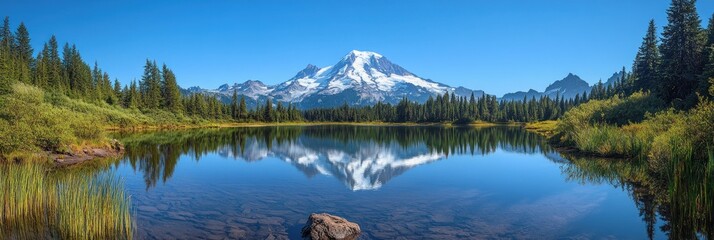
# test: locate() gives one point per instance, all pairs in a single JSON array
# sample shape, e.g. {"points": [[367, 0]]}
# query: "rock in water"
{"points": [[324, 226]]}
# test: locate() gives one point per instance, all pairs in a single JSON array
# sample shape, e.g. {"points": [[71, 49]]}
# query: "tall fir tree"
{"points": [[150, 86], [242, 109], [55, 76], [7, 59], [23, 54], [170, 90], [681, 50], [707, 79], [268, 113], [234, 104], [647, 61]]}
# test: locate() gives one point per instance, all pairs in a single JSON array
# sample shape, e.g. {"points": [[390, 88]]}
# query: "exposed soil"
{"points": [[87, 153]]}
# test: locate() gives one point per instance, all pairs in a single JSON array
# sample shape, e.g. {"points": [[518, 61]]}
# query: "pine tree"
{"points": [[234, 104], [681, 49], [170, 91], [23, 52], [7, 59], [150, 86], [97, 82], [40, 72], [645, 69], [242, 109], [117, 91], [707, 79], [268, 111], [132, 97], [55, 76]]}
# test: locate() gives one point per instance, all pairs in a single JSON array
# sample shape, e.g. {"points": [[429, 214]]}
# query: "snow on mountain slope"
{"points": [[359, 78]]}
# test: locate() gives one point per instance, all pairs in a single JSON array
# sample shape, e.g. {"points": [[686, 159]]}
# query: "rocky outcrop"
{"points": [[324, 226], [113, 149]]}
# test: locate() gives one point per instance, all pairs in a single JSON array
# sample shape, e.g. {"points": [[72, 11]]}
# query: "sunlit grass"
{"points": [[546, 128], [37, 205]]}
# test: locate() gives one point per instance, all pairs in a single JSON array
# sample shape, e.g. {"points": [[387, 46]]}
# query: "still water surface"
{"points": [[396, 182]]}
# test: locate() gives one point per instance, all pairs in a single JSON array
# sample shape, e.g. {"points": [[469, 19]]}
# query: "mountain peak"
{"points": [[362, 54], [253, 82], [359, 78], [571, 77], [308, 71]]}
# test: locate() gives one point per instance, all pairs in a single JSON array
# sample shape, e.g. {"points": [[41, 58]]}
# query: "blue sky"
{"points": [[496, 46]]}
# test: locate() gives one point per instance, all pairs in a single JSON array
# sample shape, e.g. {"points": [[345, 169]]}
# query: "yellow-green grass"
{"points": [[546, 128], [34, 204]]}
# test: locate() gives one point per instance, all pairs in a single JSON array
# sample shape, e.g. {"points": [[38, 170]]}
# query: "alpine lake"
{"points": [[396, 182]]}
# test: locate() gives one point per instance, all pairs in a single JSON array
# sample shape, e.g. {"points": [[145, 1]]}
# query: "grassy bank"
{"points": [[639, 127], [34, 123], [674, 148], [545, 128]]}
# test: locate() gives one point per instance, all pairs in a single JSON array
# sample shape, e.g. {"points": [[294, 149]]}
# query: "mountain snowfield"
{"points": [[363, 78], [359, 78]]}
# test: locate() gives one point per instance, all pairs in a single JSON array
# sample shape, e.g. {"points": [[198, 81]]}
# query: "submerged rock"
{"points": [[324, 226]]}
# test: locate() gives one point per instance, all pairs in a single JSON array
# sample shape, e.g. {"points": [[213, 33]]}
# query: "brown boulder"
{"points": [[324, 226]]}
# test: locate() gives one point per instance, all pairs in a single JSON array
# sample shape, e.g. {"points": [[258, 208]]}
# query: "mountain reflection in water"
{"points": [[363, 158], [501, 182]]}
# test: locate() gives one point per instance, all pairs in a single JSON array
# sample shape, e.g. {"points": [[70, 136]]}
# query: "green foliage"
{"points": [[694, 130], [607, 140], [450, 108], [150, 86], [646, 66], [37, 125], [682, 52], [615, 111], [170, 91]]}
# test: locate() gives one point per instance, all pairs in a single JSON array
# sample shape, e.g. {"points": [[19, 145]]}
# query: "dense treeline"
{"points": [[451, 108]]}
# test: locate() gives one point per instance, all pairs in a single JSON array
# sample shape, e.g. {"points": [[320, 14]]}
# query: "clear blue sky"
{"points": [[496, 46]]}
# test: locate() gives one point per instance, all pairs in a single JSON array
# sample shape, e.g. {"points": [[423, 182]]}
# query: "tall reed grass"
{"points": [[36, 205], [691, 188]]}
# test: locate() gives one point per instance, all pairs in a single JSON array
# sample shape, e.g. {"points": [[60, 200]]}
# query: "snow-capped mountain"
{"points": [[363, 165], [568, 88], [359, 78]]}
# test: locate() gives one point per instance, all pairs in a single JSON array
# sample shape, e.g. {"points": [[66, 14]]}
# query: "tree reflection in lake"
{"points": [[683, 218], [361, 157], [368, 158]]}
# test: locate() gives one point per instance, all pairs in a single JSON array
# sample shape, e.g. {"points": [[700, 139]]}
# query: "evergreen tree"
{"points": [[707, 79], [681, 49], [7, 61], [117, 91], [97, 78], [132, 96], [242, 109], [150, 86], [268, 111], [55, 79], [645, 69], [170, 91], [23, 52], [234, 104]]}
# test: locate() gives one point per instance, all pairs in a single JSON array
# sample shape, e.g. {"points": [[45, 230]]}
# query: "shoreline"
{"points": [[272, 124], [112, 148]]}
